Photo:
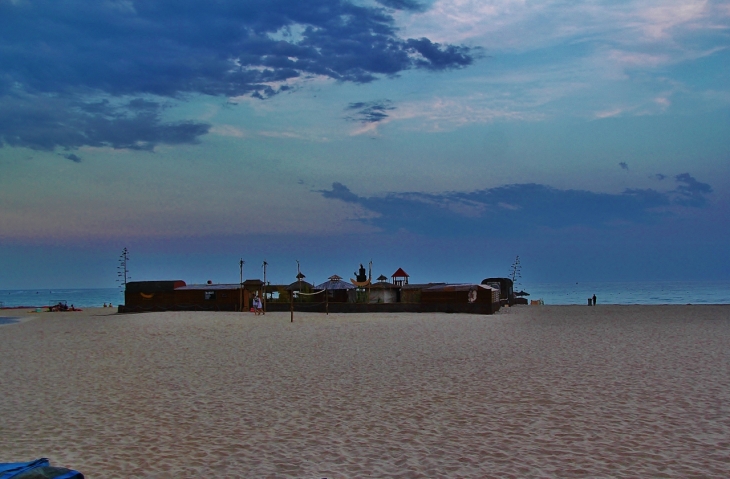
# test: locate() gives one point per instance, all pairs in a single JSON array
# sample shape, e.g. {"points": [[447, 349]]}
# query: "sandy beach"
{"points": [[551, 391]]}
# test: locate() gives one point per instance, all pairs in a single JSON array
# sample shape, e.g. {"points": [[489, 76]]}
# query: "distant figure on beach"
{"points": [[594, 300], [257, 305], [105, 305]]}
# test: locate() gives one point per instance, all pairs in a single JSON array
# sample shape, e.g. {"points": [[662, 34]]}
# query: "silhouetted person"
{"points": [[594, 300]]}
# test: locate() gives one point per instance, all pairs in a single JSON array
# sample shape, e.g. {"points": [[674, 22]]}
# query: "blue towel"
{"points": [[38, 469]]}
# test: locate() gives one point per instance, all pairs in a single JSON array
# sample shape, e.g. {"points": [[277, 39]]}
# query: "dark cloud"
{"points": [[623, 165], [370, 112], [691, 192], [659, 176], [128, 48], [403, 5], [341, 192], [515, 209], [73, 157], [45, 122], [435, 56]]}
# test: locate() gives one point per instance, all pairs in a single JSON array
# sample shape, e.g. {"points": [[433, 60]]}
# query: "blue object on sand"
{"points": [[38, 469]]}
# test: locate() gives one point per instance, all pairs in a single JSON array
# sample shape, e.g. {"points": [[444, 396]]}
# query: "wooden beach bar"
{"points": [[176, 295]]}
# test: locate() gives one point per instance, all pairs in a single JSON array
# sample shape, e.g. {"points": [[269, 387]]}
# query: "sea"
{"points": [[78, 297], [645, 292]]}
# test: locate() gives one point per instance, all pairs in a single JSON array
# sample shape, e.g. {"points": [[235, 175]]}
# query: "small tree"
{"points": [[515, 271]]}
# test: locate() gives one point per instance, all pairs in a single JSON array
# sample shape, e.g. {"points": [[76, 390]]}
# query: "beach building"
{"points": [[400, 277], [341, 296], [177, 295], [505, 286], [460, 294], [338, 291], [299, 287], [384, 292]]}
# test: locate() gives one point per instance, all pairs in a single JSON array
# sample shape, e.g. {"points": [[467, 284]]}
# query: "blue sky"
{"points": [[445, 137]]}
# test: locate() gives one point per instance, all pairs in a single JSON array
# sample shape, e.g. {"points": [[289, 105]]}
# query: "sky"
{"points": [[445, 137]]}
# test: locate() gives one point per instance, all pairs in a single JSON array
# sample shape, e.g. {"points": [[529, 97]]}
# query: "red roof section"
{"points": [[400, 274]]}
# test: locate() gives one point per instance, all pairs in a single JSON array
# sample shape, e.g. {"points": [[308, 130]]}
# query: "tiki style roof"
{"points": [[382, 278], [299, 286], [334, 277], [332, 285]]}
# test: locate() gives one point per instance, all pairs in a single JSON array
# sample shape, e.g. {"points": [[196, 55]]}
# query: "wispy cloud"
{"points": [[515, 24]]}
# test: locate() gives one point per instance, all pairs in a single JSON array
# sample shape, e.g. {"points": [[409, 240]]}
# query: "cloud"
{"points": [[624, 165], [691, 192], [403, 5], [64, 52], [434, 56], [518, 208], [546, 22], [342, 193], [73, 157], [45, 122], [370, 112]]}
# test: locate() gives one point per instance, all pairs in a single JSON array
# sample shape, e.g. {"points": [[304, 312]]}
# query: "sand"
{"points": [[546, 391]]}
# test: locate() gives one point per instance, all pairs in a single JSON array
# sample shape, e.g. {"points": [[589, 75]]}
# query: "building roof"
{"points": [[333, 285], [334, 277], [457, 287], [299, 286], [210, 287], [419, 286], [399, 274], [153, 286]]}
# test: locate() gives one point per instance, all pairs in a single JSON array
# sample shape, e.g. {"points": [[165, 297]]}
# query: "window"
{"points": [[210, 295]]}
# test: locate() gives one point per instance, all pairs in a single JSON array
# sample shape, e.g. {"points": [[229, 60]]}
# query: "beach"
{"points": [[532, 391]]}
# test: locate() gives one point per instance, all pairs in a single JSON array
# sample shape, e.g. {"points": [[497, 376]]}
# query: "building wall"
{"points": [[187, 299], [383, 295]]}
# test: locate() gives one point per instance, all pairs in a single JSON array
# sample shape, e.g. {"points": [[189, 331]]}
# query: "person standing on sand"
{"points": [[256, 305], [594, 300]]}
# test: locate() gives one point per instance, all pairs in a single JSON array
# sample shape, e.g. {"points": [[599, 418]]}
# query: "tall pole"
{"points": [[370, 277], [299, 275], [299, 278], [240, 287], [265, 264]]}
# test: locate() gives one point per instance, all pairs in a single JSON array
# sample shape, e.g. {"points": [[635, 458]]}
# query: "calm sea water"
{"points": [[649, 292], [80, 298], [664, 292]]}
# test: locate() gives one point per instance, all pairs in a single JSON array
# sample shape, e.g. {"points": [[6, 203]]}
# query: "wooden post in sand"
{"points": [[240, 287], [265, 263], [326, 302]]}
